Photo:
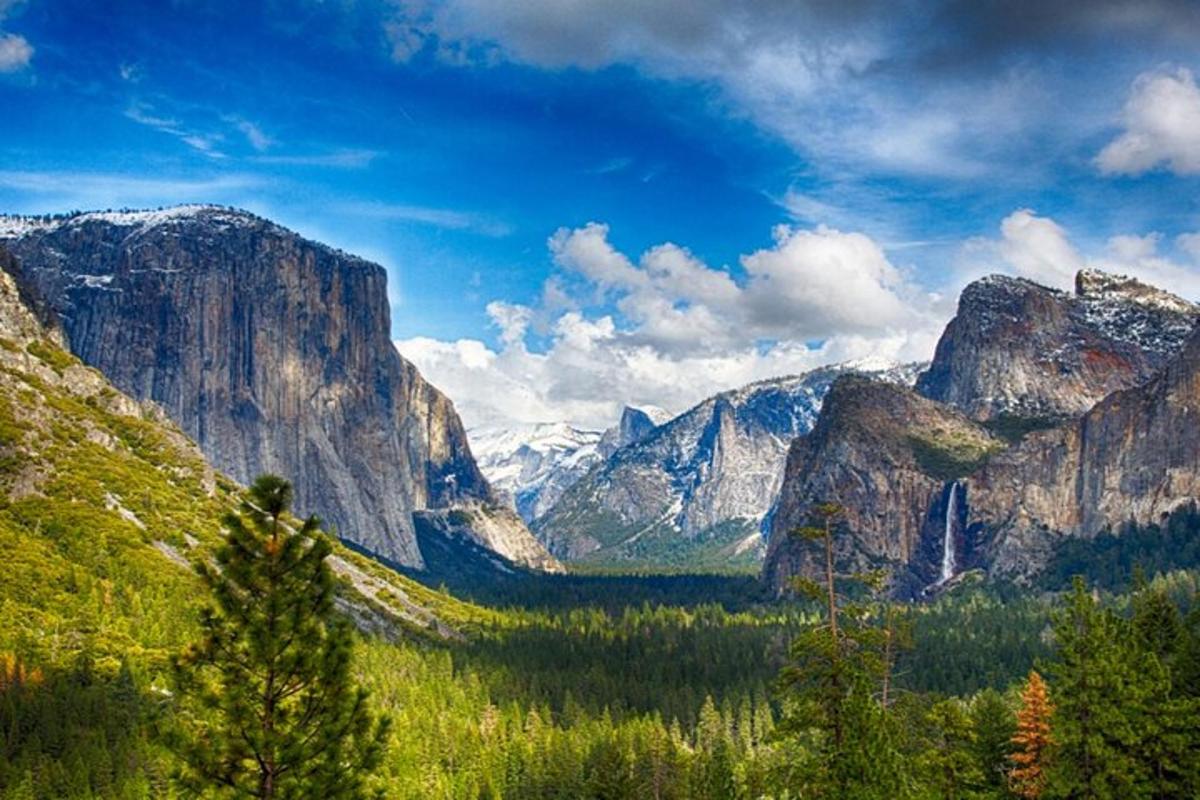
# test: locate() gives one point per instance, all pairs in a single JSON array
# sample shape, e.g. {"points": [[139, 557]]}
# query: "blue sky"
{"points": [[469, 145]]}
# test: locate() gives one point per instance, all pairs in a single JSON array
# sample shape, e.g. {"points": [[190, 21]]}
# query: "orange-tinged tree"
{"points": [[1032, 741]]}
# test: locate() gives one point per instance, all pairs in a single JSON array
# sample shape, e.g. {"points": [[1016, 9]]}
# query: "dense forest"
{"points": [[666, 700], [518, 685]]}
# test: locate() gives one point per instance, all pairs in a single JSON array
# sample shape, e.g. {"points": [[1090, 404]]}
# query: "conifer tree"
{"points": [[994, 725], [1032, 741], [269, 708], [1097, 688], [833, 678], [1166, 720], [950, 768]]}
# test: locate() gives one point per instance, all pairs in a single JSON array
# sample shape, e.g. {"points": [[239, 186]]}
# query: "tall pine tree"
{"points": [[268, 706], [833, 678]]}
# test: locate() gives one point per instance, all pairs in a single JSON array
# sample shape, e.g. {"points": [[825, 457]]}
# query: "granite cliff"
{"points": [[1022, 351], [1131, 459], [890, 457], [1044, 415], [270, 351]]}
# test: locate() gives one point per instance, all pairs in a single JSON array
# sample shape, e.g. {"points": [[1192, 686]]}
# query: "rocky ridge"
{"points": [[1019, 350], [533, 465]]}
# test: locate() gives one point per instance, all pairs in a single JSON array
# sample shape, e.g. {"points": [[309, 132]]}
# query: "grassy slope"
{"points": [[101, 503]]}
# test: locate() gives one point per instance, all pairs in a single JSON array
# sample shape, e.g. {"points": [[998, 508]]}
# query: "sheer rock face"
{"points": [[636, 423], [889, 457], [17, 322], [699, 484], [271, 351], [1018, 349], [1132, 458], [1109, 374]]}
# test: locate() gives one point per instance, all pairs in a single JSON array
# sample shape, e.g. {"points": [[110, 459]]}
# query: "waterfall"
{"points": [[948, 564]]}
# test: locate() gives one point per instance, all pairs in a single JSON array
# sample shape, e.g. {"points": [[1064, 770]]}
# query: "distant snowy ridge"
{"points": [[693, 491], [533, 464]]}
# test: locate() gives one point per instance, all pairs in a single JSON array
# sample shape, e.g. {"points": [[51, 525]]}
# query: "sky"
{"points": [[585, 204]]}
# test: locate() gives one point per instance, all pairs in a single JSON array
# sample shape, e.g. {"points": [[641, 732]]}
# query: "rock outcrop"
{"points": [[636, 423], [695, 490], [272, 352], [1019, 350], [1043, 415], [1132, 459], [891, 459]]}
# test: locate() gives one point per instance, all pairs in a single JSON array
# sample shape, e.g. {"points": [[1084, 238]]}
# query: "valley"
{"points": [[552, 611]]}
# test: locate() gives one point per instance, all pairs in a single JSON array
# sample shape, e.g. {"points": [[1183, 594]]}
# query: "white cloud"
{"points": [[205, 131], [512, 320], [15, 52], [817, 281], [259, 140], [206, 143], [1161, 122], [451, 219], [1038, 249], [1190, 244], [669, 330]]}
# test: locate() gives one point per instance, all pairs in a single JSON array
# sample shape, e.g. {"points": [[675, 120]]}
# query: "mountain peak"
{"points": [[1016, 348], [271, 351]]}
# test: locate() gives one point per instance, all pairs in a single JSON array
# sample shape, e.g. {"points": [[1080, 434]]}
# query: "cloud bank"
{"points": [[948, 88], [669, 330], [664, 328]]}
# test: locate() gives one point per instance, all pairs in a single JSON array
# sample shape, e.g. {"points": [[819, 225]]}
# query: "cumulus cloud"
{"points": [[15, 52], [667, 329], [1161, 122], [1040, 249]]}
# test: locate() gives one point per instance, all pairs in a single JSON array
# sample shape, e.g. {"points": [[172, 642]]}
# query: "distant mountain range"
{"points": [[693, 491], [532, 465], [1045, 416]]}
